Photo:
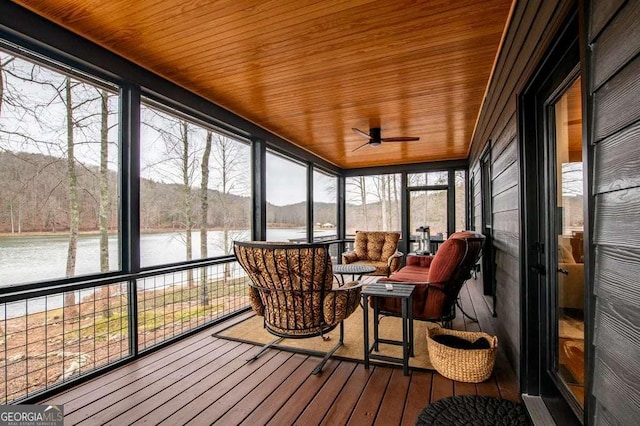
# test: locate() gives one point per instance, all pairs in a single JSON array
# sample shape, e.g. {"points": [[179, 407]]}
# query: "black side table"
{"points": [[402, 291]]}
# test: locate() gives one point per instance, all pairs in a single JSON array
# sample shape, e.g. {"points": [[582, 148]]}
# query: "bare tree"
{"points": [[227, 176], [178, 164], [204, 213], [396, 198], [358, 187], [15, 197], [385, 190], [49, 124], [105, 202], [380, 185], [230, 177], [74, 210], [389, 224], [3, 65], [186, 191], [104, 181]]}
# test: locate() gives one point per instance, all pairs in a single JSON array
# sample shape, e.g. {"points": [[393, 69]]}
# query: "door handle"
{"points": [[563, 271], [539, 268]]}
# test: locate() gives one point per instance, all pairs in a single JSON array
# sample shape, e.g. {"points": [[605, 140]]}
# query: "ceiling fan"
{"points": [[375, 138]]}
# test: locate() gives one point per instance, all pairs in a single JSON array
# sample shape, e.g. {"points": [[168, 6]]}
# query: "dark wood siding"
{"points": [[614, 36], [533, 24]]}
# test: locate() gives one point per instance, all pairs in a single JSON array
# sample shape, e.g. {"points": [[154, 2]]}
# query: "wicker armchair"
{"points": [[375, 248], [292, 289]]}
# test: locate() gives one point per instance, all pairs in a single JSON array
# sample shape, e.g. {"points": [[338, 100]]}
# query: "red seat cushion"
{"points": [[410, 273]]}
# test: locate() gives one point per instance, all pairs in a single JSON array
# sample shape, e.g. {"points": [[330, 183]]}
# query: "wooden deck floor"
{"points": [[205, 380]]}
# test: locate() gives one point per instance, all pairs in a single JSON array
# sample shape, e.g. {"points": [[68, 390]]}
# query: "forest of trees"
{"points": [[33, 197], [373, 202]]}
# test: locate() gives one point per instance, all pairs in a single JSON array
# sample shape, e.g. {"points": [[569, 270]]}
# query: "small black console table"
{"points": [[403, 292]]}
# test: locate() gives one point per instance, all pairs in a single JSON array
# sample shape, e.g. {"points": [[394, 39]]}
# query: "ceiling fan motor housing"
{"points": [[375, 136]]}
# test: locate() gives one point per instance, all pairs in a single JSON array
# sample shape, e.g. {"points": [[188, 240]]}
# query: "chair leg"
{"points": [[320, 366], [376, 324], [472, 319], [264, 349]]}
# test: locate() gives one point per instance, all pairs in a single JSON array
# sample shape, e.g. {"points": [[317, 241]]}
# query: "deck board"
{"points": [[418, 396], [341, 409], [366, 410], [206, 380], [441, 387], [268, 386], [388, 413], [219, 370], [139, 392], [306, 393], [167, 395], [232, 394], [184, 413], [276, 401]]}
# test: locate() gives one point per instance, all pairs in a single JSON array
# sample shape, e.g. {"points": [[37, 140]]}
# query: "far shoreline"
{"points": [[147, 231]]}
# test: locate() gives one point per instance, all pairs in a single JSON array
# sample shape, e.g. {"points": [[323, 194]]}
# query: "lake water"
{"points": [[28, 259]]}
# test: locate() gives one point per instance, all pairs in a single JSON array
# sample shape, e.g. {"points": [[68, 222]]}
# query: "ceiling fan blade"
{"points": [[363, 145], [400, 139], [361, 133]]}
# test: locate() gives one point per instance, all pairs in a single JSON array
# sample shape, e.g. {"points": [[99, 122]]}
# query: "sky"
{"points": [[287, 183]]}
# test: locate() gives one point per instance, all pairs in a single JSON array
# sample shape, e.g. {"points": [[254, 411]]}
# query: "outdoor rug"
{"points": [[251, 331], [473, 410]]}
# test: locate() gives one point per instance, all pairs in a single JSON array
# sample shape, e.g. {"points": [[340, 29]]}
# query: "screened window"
{"points": [[428, 178], [195, 194], [286, 199], [58, 172], [325, 206], [373, 203], [461, 199]]}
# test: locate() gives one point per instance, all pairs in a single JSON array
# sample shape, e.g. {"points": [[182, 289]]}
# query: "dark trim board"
{"points": [[408, 168]]}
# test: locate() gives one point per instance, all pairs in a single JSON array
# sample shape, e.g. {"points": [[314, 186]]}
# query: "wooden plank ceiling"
{"points": [[309, 71]]}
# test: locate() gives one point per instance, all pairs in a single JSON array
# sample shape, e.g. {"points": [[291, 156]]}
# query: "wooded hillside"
{"points": [[34, 198]]}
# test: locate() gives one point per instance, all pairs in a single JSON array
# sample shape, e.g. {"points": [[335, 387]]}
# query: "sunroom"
{"points": [[139, 140]]}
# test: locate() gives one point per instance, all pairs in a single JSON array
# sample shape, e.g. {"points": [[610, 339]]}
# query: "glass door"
{"points": [[553, 217], [428, 208], [567, 283]]}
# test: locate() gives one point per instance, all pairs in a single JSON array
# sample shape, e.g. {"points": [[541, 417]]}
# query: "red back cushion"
{"points": [[465, 234], [446, 260]]}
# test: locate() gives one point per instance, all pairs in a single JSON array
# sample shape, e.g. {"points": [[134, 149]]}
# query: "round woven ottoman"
{"points": [[473, 410]]}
